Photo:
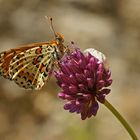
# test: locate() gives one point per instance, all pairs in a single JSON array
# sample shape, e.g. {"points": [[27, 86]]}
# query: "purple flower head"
{"points": [[84, 79]]}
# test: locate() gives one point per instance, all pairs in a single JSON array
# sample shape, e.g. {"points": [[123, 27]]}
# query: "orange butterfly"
{"points": [[30, 66]]}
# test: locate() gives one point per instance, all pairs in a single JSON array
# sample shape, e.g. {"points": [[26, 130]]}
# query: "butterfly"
{"points": [[30, 66]]}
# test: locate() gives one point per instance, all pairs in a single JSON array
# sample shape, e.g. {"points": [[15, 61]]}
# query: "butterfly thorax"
{"points": [[59, 47]]}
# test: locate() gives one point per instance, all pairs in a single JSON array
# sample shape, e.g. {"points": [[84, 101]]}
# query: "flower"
{"points": [[84, 80]]}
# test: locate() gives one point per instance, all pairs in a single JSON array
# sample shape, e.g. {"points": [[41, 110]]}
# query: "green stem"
{"points": [[122, 120]]}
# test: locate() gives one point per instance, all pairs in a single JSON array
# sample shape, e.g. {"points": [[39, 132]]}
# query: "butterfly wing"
{"points": [[30, 68], [5, 58]]}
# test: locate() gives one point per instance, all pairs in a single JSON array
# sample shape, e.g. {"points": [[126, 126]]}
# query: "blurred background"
{"points": [[110, 26]]}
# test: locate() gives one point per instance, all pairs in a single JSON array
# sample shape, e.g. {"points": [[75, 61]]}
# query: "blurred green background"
{"points": [[110, 26]]}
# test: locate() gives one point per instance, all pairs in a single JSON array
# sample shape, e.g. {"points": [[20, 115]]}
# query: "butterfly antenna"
{"points": [[51, 25]]}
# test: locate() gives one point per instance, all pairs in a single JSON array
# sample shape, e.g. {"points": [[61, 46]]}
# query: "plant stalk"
{"points": [[122, 120]]}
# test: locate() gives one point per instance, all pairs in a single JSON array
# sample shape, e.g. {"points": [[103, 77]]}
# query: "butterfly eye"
{"points": [[59, 39]]}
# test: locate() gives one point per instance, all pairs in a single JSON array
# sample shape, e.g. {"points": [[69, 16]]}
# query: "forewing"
{"points": [[5, 59], [31, 69]]}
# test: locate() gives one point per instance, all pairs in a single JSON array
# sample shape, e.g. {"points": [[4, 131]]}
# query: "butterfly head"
{"points": [[59, 38]]}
